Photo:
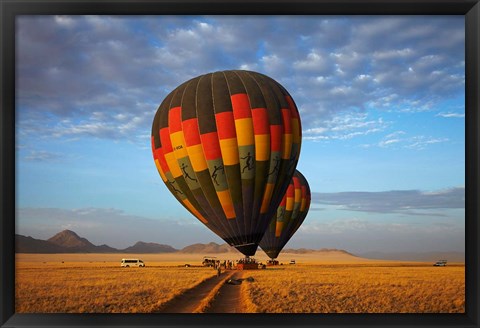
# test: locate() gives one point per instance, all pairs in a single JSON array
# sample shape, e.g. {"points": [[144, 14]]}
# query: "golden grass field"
{"points": [[97, 286], [318, 283], [358, 288]]}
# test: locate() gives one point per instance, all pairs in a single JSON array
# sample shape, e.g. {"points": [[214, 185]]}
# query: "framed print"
{"points": [[244, 163]]}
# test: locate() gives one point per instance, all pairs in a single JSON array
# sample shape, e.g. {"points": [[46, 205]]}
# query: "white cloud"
{"points": [[400, 139], [346, 126], [395, 201], [454, 115], [393, 54], [42, 156], [314, 62], [65, 21], [330, 66], [421, 142]]}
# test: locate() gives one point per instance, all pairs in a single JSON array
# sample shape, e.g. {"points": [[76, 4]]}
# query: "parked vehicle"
{"points": [[209, 261], [441, 263], [292, 261], [126, 263]]}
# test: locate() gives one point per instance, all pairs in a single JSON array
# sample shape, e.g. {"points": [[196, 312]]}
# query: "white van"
{"points": [[126, 263]]}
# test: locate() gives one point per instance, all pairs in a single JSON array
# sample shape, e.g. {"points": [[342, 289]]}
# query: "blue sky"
{"points": [[381, 100]]}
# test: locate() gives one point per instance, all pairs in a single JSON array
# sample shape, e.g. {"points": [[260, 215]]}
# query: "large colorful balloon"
{"points": [[226, 144], [290, 215]]}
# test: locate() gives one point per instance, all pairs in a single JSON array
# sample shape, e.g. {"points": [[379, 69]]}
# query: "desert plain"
{"points": [[318, 282]]}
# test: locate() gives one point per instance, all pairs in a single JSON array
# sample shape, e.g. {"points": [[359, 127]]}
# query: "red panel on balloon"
{"points": [[241, 106], [175, 119], [191, 132], [211, 146], [260, 121], [225, 125]]}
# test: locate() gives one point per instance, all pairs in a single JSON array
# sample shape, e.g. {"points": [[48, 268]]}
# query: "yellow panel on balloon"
{"points": [[173, 164], [298, 195], [262, 147], [197, 158], [267, 196], [278, 229], [229, 150], [244, 127], [290, 202], [226, 201], [178, 144], [286, 146]]}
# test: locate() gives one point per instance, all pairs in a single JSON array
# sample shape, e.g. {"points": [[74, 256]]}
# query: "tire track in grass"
{"points": [[193, 300], [228, 298]]}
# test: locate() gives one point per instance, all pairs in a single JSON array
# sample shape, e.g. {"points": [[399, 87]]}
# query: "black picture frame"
{"points": [[9, 9]]}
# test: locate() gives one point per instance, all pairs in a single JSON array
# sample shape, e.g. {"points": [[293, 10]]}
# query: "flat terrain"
{"points": [[359, 288], [323, 282]]}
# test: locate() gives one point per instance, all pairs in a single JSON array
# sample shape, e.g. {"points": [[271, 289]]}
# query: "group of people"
{"points": [[226, 264], [247, 260]]}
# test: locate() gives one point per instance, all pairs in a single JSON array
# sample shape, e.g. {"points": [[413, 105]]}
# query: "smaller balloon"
{"points": [[290, 215]]}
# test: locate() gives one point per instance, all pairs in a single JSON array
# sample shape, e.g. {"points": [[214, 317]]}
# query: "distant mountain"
{"points": [[31, 245], [323, 250], [76, 244], [65, 241], [416, 256], [209, 248], [144, 248], [70, 239], [102, 249]]}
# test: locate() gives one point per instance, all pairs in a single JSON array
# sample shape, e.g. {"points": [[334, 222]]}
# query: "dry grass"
{"points": [[328, 284], [379, 288], [93, 288], [245, 294]]}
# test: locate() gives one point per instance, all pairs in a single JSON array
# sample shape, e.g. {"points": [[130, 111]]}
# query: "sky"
{"points": [[381, 101]]}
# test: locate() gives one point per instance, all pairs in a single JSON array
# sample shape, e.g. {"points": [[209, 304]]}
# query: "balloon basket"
{"points": [[247, 263], [247, 266]]}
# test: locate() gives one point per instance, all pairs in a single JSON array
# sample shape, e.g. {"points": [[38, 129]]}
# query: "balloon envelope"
{"points": [[290, 215], [226, 145]]}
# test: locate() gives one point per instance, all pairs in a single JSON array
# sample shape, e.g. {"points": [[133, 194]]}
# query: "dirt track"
{"points": [[203, 298], [228, 299]]}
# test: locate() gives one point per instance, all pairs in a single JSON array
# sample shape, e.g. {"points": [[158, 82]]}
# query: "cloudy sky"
{"points": [[381, 100]]}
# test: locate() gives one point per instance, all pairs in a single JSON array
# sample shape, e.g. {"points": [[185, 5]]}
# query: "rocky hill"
{"points": [[69, 239], [149, 248], [73, 243], [31, 245], [210, 248], [323, 250]]}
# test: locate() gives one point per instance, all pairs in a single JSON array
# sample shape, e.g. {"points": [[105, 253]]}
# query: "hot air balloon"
{"points": [[289, 216], [226, 145]]}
